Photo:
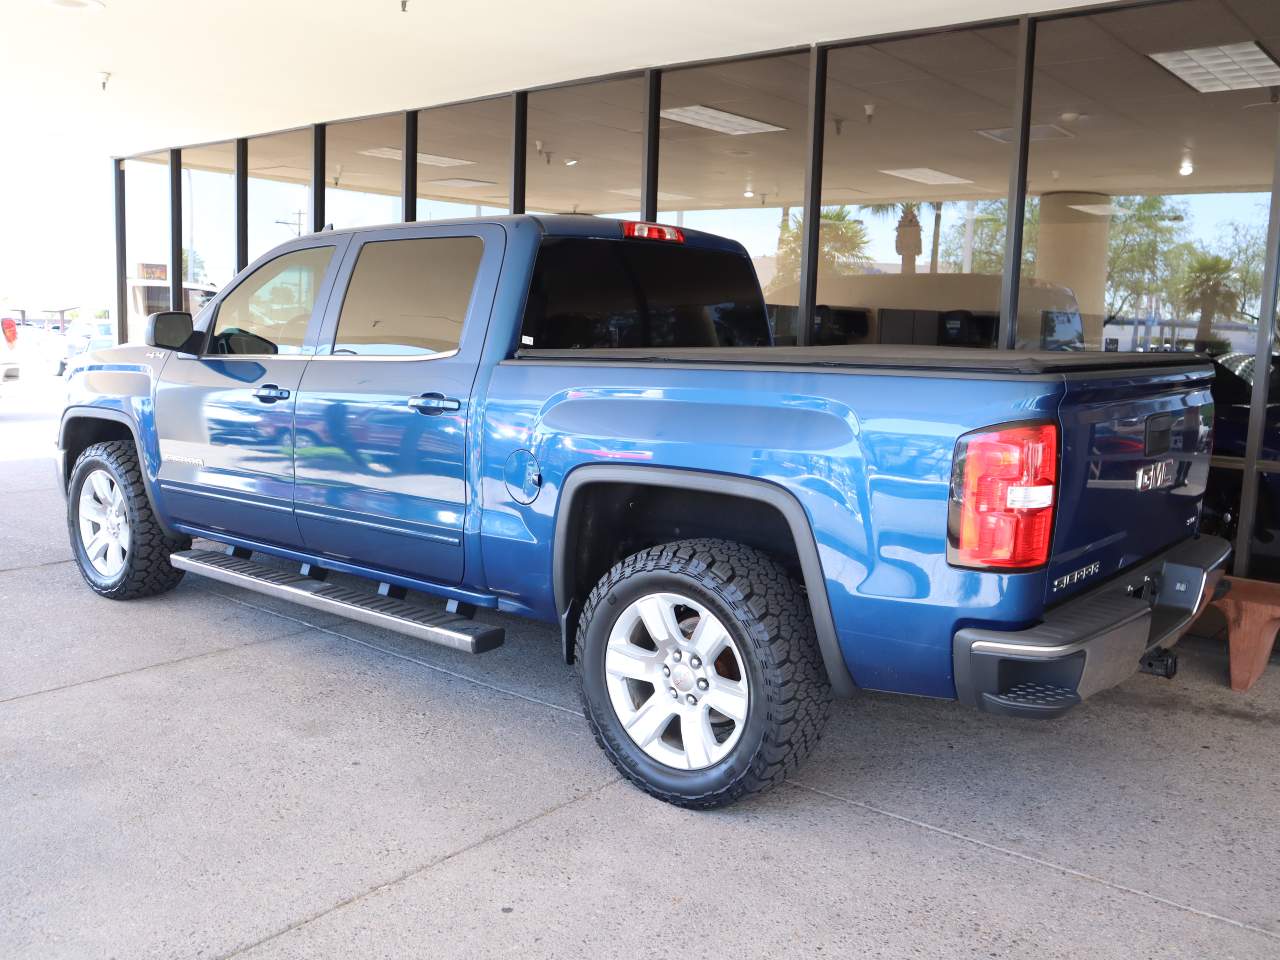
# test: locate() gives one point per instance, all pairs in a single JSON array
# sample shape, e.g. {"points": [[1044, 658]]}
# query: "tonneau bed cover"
{"points": [[957, 359]]}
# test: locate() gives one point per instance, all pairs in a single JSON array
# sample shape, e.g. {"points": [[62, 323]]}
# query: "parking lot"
{"points": [[214, 774]]}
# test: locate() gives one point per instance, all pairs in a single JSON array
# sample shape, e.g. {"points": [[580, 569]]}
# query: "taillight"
{"points": [[1002, 497], [652, 231]]}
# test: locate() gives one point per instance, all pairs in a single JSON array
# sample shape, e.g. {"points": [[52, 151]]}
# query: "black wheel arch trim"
{"points": [[115, 416], [748, 488]]}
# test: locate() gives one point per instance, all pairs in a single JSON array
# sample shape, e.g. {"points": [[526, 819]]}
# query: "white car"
{"points": [[83, 336]]}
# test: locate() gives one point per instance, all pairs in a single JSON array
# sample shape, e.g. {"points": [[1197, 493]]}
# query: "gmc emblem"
{"points": [[1155, 476]]}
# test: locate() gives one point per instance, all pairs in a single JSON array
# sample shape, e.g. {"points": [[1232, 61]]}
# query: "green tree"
{"points": [[1245, 245], [192, 266], [842, 246], [1139, 247], [1210, 289], [985, 243]]}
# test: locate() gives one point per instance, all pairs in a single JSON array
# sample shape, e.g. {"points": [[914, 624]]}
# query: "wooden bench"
{"points": [[1252, 611]]}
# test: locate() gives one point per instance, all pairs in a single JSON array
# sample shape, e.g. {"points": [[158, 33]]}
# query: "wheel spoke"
{"points": [[709, 637], [628, 660], [115, 555], [659, 616], [699, 742], [96, 548], [728, 698], [651, 719], [91, 509], [101, 486]]}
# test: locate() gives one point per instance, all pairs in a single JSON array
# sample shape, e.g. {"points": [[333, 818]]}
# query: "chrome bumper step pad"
{"points": [[402, 616]]}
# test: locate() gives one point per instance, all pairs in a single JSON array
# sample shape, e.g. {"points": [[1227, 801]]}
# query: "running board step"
{"points": [[402, 616]]}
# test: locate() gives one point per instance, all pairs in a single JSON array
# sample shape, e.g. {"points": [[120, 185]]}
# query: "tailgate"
{"points": [[1135, 458]]}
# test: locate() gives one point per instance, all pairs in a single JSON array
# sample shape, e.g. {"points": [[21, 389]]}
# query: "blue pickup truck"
{"points": [[585, 422]]}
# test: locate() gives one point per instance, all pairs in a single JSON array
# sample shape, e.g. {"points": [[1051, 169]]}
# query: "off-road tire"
{"points": [[768, 615], [147, 570]]}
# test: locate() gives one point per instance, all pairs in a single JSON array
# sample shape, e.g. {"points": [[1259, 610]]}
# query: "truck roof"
{"points": [[563, 225]]}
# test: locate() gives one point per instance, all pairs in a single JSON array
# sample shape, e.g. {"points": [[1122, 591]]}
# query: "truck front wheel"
{"points": [[120, 547], [700, 672]]}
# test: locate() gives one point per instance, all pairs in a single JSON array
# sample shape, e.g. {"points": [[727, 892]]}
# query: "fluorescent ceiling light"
{"points": [[1234, 66], [1099, 209], [1037, 132], [710, 118], [634, 194], [463, 182], [78, 4], [925, 175], [427, 159]]}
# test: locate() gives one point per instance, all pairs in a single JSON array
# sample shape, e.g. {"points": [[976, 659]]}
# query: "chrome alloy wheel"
{"points": [[677, 681], [104, 523]]}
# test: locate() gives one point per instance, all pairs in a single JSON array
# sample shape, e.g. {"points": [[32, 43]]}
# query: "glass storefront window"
{"points": [[279, 189], [1149, 181], [146, 239], [464, 160], [915, 172], [364, 171], [584, 147], [208, 218], [732, 150]]}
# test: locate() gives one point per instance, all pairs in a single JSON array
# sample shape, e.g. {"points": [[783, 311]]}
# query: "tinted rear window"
{"points": [[597, 294]]}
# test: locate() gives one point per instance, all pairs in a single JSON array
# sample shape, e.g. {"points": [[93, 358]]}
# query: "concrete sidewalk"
{"points": [[211, 774]]}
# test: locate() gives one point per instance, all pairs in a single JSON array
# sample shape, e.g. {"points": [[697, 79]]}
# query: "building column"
{"points": [[1071, 251]]}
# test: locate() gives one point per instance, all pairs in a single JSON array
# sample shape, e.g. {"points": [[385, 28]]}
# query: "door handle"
{"points": [[270, 393], [434, 404]]}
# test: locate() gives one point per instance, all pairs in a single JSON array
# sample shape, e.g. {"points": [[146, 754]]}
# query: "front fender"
{"points": [[117, 385]]}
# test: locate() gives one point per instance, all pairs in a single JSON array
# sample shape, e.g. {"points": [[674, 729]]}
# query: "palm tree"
{"points": [[1209, 288], [907, 213], [842, 246]]}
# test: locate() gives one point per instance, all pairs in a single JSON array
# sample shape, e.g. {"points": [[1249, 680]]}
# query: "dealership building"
{"points": [[987, 175]]}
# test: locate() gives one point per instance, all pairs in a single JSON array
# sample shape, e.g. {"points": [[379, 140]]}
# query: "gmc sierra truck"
{"points": [[585, 422]]}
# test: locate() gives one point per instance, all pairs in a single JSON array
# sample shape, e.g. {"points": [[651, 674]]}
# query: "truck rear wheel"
{"points": [[120, 547], [700, 672]]}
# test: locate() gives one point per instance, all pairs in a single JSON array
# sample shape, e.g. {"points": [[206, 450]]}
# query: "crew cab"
{"points": [[585, 422]]}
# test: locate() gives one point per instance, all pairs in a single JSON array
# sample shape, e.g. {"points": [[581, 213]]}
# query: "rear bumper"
{"points": [[1091, 643]]}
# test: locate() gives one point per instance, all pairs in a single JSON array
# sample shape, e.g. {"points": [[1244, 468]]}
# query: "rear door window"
{"points": [[408, 298], [600, 294]]}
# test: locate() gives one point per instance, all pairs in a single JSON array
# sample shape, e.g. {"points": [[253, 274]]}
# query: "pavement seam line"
{"points": [[150, 666], [403, 656], [415, 871], [1038, 861], [36, 566]]}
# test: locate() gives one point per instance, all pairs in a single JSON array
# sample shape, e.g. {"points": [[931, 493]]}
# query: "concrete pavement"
{"points": [[211, 774]]}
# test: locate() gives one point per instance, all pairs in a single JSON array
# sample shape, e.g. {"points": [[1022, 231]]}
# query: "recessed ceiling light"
{"points": [[709, 118], [926, 175], [463, 182], [1036, 132], [634, 194], [748, 194], [571, 163], [427, 159], [1186, 168], [78, 4], [1234, 66]]}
